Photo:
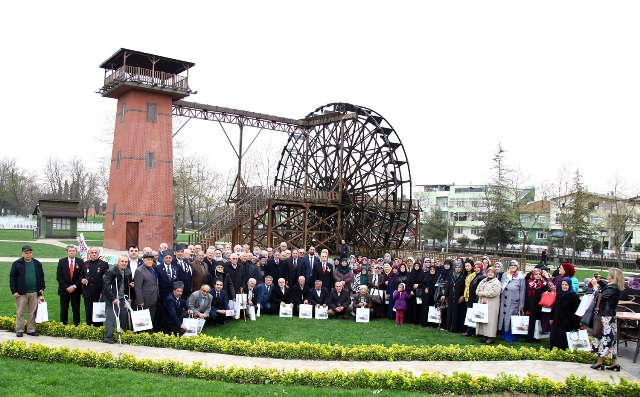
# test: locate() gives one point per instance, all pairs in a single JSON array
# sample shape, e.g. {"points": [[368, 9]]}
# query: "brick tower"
{"points": [[140, 197]]}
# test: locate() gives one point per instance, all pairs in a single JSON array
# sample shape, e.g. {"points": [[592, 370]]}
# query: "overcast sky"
{"points": [[553, 81]]}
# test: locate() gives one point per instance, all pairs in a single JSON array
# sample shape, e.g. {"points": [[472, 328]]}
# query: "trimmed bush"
{"points": [[458, 383]]}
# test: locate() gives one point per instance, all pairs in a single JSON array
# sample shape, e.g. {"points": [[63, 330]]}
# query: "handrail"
{"points": [[146, 76]]}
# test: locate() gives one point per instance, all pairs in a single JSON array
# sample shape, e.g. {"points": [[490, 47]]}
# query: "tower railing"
{"points": [[146, 76]]}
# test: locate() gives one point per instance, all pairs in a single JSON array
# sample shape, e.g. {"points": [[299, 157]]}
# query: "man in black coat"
{"points": [[185, 273], [26, 281], [280, 296], [167, 275], [277, 268], [91, 279], [116, 283], [299, 294], [311, 261], [295, 268], [324, 272], [236, 272], [174, 309], [69, 285], [219, 305], [339, 302]]}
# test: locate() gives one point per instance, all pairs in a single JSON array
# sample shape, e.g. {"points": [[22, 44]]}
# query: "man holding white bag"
{"points": [[26, 281]]}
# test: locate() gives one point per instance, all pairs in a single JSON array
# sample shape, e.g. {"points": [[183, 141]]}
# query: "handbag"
{"points": [[598, 327], [42, 312], [419, 292], [585, 303], [141, 320], [579, 340], [547, 299], [587, 317]]}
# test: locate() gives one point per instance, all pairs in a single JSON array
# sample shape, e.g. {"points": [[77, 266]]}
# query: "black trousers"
{"points": [[88, 310], [74, 299]]}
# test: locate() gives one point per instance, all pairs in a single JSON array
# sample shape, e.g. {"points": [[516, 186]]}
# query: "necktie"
{"points": [[295, 264], [324, 267], [152, 273], [71, 269], [168, 270], [217, 297]]}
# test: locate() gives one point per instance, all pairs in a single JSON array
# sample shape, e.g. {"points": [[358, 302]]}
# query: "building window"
{"points": [[475, 232], [460, 216], [124, 108], [113, 215], [521, 234], [61, 223], [541, 235], [458, 230], [541, 219], [152, 112], [118, 157], [557, 219], [524, 218], [594, 220], [459, 203], [149, 160]]}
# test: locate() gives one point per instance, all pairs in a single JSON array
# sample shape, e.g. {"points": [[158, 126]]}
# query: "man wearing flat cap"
{"points": [[174, 309], [145, 283], [116, 285], [26, 281]]}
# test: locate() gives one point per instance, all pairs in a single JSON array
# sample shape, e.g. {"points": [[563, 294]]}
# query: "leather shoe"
{"points": [[19, 334], [466, 334], [33, 333], [111, 341]]}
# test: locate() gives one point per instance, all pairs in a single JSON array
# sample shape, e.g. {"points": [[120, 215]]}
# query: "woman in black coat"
{"points": [[563, 315], [456, 307], [416, 277], [442, 290], [536, 286], [428, 299]]}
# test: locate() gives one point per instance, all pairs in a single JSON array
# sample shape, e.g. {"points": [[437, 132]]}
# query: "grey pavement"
{"points": [[557, 371]]}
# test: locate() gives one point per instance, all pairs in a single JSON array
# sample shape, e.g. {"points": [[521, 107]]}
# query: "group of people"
{"points": [[207, 284]]}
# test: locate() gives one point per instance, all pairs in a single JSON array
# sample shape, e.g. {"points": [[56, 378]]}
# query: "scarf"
{"points": [[535, 285], [467, 284], [364, 278], [343, 269], [571, 291]]}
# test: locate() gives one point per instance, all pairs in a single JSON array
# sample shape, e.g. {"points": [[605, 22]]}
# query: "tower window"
{"points": [[118, 159], [152, 112], [124, 108], [149, 160]]}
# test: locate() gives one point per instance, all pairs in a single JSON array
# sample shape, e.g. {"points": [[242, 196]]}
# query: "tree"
{"points": [[622, 215], [434, 226], [19, 190], [463, 241], [500, 224]]}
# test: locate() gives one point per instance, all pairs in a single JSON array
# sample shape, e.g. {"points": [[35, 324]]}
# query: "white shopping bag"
{"points": [[322, 313], [480, 313], [418, 301], [230, 313], [468, 318], [585, 303], [42, 314], [362, 315], [258, 310], [305, 311], [201, 322], [237, 307], [141, 320], [434, 315], [546, 309], [251, 313], [286, 310], [519, 325], [578, 340], [192, 326], [538, 334], [99, 315]]}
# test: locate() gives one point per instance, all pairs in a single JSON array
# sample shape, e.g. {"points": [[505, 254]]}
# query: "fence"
{"points": [[27, 223]]}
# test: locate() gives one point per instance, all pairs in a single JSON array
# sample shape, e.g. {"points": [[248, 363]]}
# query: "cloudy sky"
{"points": [[554, 82]]}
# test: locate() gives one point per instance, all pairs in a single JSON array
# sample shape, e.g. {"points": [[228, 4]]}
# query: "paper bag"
{"points": [[362, 315], [251, 313], [286, 311], [141, 320], [481, 313], [305, 311], [520, 325], [99, 315], [538, 334], [578, 340], [42, 314], [434, 315], [322, 313], [192, 326], [468, 318], [585, 303]]}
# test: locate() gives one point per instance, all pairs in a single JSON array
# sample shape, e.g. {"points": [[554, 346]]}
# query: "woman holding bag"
{"points": [[488, 293], [535, 288], [607, 344], [563, 315], [512, 299]]}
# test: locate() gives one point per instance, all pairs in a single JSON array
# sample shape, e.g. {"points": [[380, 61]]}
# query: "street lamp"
{"points": [[603, 233]]}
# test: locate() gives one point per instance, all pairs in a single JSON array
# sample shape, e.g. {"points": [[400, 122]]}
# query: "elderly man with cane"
{"points": [[116, 279]]}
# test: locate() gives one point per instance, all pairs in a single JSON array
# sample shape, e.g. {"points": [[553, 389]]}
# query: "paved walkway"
{"points": [[553, 370]]}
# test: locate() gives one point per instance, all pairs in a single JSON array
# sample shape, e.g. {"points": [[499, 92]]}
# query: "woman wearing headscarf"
{"points": [[426, 264], [359, 279], [488, 293], [512, 299], [428, 299], [391, 287], [535, 287], [474, 277], [416, 277], [344, 273], [376, 280], [607, 344], [456, 308], [499, 270], [632, 290], [387, 259], [442, 289], [563, 315]]}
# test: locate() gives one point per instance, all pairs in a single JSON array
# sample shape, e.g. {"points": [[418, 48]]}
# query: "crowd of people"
{"points": [[209, 283]]}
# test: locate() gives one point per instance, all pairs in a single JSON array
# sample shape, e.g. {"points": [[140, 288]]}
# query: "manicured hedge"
{"points": [[458, 383], [314, 351]]}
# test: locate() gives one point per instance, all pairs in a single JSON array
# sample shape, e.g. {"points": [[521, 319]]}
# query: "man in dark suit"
{"points": [[339, 302], [295, 268], [263, 295], [69, 285], [277, 268], [146, 285], [319, 296], [92, 272], [280, 296], [219, 305], [167, 275], [311, 261], [299, 294], [134, 263], [115, 283], [174, 309], [324, 272], [236, 271], [185, 273]]}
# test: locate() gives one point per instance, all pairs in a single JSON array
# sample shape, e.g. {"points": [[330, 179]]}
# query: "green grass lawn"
{"points": [[14, 249], [32, 378], [16, 234]]}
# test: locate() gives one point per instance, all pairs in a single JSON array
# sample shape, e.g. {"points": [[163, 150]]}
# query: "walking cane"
{"points": [[244, 304], [118, 315]]}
